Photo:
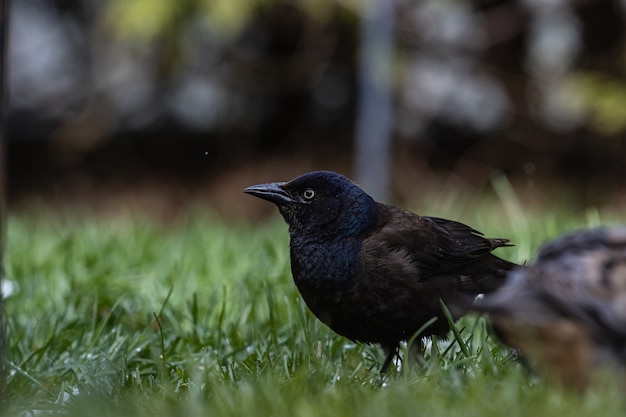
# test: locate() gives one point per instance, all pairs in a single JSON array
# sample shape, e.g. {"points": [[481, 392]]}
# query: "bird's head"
{"points": [[320, 203]]}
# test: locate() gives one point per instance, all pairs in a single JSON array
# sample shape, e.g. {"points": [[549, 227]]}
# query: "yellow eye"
{"points": [[308, 194]]}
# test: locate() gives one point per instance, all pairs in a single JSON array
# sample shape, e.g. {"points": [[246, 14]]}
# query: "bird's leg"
{"points": [[391, 352]]}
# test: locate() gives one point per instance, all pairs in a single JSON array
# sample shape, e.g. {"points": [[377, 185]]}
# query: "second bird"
{"points": [[372, 272]]}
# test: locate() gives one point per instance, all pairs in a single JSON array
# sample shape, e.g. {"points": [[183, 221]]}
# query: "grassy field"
{"points": [[124, 316]]}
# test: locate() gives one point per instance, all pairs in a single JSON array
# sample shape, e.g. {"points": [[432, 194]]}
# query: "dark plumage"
{"points": [[372, 272], [566, 313]]}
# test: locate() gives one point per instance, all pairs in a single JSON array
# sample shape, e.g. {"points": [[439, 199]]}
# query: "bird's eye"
{"points": [[308, 194]]}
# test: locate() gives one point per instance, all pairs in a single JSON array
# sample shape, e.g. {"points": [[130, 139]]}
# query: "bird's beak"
{"points": [[273, 192]]}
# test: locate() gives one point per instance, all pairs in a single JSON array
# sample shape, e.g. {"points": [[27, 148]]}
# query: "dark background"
{"points": [[162, 103]]}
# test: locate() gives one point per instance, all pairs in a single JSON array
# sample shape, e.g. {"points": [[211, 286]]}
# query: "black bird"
{"points": [[566, 313], [372, 272]]}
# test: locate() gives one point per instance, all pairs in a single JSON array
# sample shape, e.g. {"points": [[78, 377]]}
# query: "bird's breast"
{"points": [[323, 265]]}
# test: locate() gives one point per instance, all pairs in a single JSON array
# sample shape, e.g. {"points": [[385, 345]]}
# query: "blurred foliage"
{"points": [[603, 99], [146, 20], [142, 19]]}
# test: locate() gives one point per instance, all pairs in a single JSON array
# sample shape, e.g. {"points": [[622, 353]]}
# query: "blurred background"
{"points": [[156, 103]]}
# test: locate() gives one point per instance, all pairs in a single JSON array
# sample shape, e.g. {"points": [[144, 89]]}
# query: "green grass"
{"points": [[128, 317]]}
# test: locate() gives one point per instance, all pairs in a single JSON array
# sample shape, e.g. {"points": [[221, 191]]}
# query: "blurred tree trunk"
{"points": [[373, 134]]}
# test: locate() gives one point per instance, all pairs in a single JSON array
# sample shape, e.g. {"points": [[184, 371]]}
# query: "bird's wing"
{"points": [[584, 289], [582, 276], [578, 277], [474, 239], [436, 245]]}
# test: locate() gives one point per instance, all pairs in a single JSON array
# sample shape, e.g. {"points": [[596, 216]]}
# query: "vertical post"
{"points": [[4, 46], [373, 130]]}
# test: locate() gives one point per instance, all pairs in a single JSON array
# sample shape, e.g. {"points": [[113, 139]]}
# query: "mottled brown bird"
{"points": [[566, 313]]}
